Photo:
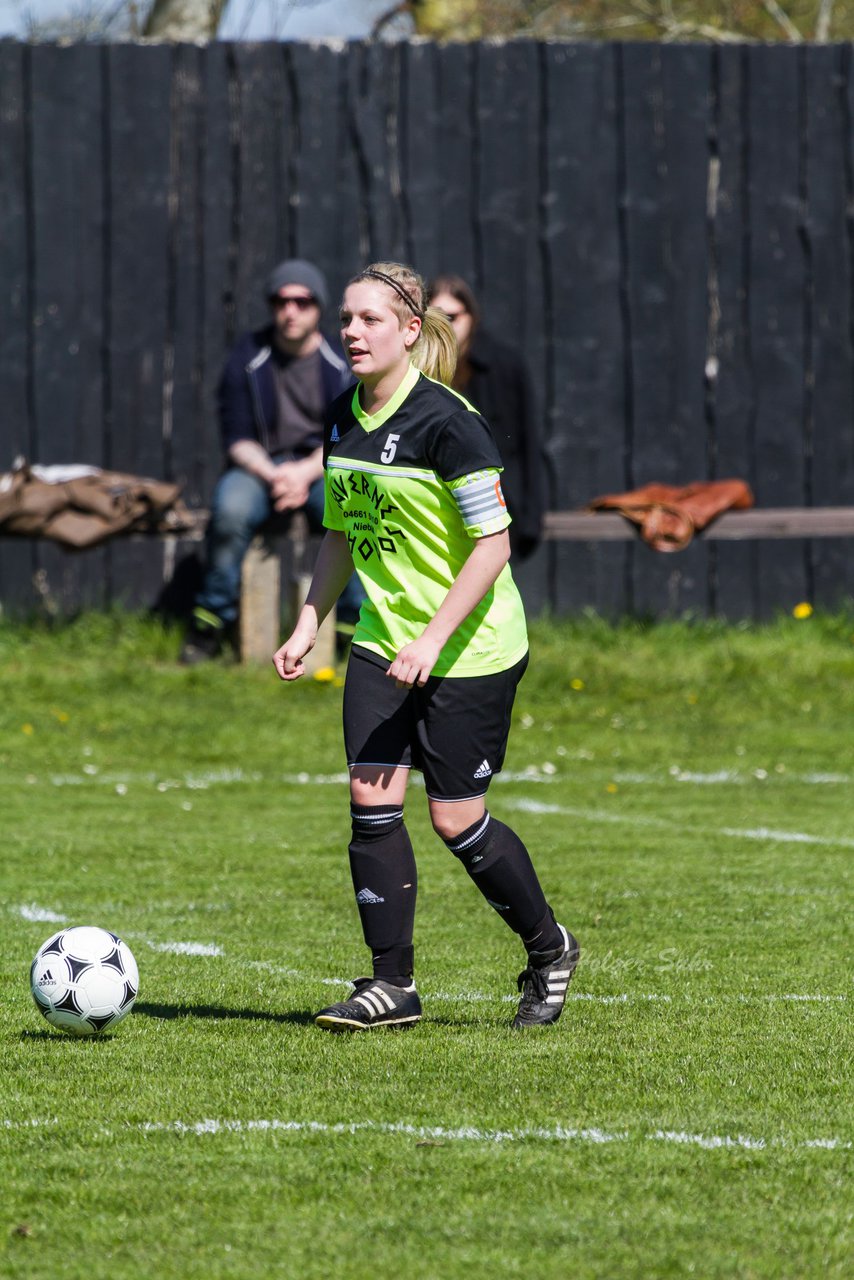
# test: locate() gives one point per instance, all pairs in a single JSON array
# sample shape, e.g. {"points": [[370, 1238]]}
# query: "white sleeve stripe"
{"points": [[473, 505], [477, 484], [480, 501]]}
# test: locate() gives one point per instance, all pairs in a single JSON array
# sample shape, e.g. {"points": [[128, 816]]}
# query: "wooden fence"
{"points": [[666, 230]]}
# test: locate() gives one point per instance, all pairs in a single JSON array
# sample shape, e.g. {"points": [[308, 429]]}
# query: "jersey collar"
{"points": [[370, 422]]}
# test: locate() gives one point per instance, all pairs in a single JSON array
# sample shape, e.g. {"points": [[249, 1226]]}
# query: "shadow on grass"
{"points": [[68, 1037], [170, 1011], [295, 1017]]}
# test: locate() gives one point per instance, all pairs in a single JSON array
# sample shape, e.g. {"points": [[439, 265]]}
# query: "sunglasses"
{"points": [[301, 304]]}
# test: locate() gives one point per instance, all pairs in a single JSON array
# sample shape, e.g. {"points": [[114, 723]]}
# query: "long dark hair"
{"points": [[458, 288]]}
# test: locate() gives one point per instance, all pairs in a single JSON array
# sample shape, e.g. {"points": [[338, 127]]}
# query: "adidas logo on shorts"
{"points": [[334, 438], [366, 896], [483, 770]]}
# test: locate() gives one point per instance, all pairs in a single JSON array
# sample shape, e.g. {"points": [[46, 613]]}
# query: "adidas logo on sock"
{"points": [[334, 438], [483, 770], [365, 896]]}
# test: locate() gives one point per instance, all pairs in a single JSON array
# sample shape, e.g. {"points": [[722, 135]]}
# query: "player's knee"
{"points": [[451, 820], [446, 824]]}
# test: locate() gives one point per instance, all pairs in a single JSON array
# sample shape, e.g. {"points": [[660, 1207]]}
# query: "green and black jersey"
{"points": [[411, 486]]}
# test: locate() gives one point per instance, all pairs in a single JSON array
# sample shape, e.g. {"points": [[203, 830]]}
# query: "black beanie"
{"points": [[297, 271]]}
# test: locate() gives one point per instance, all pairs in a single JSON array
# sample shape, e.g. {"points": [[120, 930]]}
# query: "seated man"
{"points": [[274, 391]]}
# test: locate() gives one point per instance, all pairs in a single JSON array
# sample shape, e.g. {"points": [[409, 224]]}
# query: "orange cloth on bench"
{"points": [[668, 515]]}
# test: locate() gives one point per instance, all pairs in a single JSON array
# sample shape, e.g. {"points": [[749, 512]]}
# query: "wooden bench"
{"points": [[734, 526], [260, 594], [260, 589], [260, 603], [260, 616]]}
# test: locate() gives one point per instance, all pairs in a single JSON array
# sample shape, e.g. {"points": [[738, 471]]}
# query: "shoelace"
{"points": [[538, 979]]}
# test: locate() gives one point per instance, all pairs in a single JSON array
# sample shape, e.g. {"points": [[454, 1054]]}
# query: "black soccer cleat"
{"points": [[374, 1003], [544, 983], [204, 640]]}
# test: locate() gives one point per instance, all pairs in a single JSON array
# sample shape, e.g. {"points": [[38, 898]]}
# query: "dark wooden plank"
{"points": [[830, 375], [776, 306], [68, 229], [15, 249], [183, 357], [584, 389], [325, 211], [508, 172], [263, 122], [729, 372], [138, 124], [422, 173], [17, 563], [68, 222], [666, 127], [509, 158], [783, 522], [456, 208], [220, 187], [190, 452], [373, 95]]}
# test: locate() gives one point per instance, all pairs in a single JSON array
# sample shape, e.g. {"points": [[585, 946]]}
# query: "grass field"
{"points": [[687, 793]]}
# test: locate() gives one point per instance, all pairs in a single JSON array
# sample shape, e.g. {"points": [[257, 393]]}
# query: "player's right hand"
{"points": [[288, 659]]}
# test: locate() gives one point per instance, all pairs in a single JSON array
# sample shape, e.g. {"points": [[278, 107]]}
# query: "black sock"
{"points": [[501, 867], [385, 880]]}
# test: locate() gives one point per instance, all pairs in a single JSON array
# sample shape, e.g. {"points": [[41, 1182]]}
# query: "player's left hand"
{"points": [[414, 663]]}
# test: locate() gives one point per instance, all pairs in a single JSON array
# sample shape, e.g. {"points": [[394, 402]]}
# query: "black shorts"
{"points": [[454, 729]]}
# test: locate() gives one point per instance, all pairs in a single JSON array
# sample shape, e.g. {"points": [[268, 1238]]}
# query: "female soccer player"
{"points": [[413, 500]]}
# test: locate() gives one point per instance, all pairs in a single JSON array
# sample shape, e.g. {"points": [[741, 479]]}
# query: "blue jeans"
{"points": [[239, 506]]}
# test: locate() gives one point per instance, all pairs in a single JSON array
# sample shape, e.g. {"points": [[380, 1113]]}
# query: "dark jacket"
{"points": [[500, 387], [247, 391]]}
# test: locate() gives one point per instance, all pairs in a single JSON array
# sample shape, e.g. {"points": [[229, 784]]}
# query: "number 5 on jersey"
{"points": [[390, 447]]}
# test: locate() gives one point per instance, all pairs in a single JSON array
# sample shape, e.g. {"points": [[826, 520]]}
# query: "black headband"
{"points": [[380, 275]]}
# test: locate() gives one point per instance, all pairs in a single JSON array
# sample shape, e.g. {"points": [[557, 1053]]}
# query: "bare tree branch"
{"points": [[825, 18], [780, 15], [389, 16]]}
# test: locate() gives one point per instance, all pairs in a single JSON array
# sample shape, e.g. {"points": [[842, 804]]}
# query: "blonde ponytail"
{"points": [[435, 351]]}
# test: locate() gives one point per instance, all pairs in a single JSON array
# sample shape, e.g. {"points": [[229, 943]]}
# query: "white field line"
{"points": [[180, 948], [547, 773], [31, 912], [783, 837], [523, 804], [467, 1133]]}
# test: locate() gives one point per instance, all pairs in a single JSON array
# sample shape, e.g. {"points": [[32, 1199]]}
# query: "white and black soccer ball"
{"points": [[84, 980]]}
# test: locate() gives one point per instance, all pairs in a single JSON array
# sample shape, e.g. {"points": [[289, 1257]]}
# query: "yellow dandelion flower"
{"points": [[325, 675], [802, 610], [576, 684], [612, 788], [27, 729]]}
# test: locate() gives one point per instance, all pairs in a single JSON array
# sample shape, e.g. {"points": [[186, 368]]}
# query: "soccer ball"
{"points": [[84, 980]]}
